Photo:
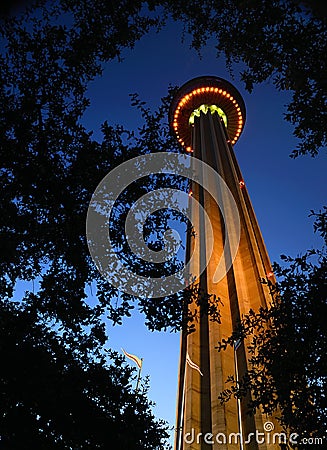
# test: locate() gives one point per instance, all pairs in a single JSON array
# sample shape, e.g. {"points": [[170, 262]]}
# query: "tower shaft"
{"points": [[199, 410]]}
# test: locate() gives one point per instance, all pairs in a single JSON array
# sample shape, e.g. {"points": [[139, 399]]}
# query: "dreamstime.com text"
{"points": [[267, 437]]}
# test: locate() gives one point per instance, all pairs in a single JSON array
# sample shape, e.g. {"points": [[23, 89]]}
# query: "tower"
{"points": [[207, 115]]}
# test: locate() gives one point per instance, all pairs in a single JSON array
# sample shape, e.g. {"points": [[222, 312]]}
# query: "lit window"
{"points": [[205, 108]]}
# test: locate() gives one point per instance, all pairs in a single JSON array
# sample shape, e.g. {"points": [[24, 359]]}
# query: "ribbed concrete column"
{"points": [[198, 409]]}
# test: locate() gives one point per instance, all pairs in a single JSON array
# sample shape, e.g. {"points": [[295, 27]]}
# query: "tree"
{"points": [[287, 344], [53, 397], [46, 152], [279, 41], [59, 391], [51, 165]]}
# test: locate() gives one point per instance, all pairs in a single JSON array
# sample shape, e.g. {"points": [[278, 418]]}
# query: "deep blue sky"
{"points": [[282, 190]]}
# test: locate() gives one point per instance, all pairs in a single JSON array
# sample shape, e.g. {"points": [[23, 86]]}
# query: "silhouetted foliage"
{"points": [[53, 397], [58, 389], [283, 42], [287, 341], [279, 41], [51, 340], [50, 164]]}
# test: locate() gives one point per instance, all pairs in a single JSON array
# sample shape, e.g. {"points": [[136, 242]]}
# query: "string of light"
{"points": [[234, 113]]}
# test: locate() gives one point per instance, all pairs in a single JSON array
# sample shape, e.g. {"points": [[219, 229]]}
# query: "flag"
{"points": [[134, 358], [192, 364]]}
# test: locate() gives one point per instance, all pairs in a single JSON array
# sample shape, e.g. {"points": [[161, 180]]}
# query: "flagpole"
{"points": [[180, 425], [239, 413], [139, 377]]}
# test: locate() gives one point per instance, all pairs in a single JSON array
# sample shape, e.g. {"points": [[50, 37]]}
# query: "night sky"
{"points": [[282, 190]]}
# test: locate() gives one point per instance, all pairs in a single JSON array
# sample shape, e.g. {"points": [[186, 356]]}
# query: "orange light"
{"points": [[242, 184], [270, 274], [179, 122], [190, 194]]}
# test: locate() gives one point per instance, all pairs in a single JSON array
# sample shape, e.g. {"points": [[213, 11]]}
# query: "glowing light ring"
{"points": [[210, 91]]}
